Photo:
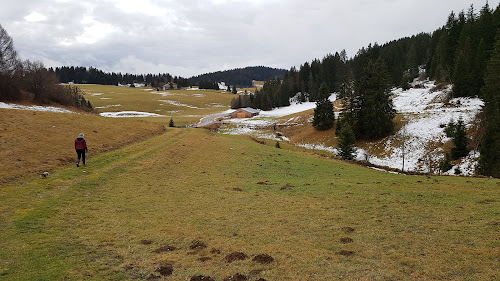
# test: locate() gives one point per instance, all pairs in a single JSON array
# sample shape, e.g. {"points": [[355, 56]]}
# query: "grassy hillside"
{"points": [[32, 142], [184, 106], [188, 199]]}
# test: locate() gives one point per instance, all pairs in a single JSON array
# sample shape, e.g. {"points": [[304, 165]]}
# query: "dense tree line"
{"points": [[240, 77], [91, 75], [31, 81], [206, 84], [461, 49]]}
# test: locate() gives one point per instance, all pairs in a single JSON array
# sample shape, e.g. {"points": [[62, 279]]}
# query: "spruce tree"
{"points": [[171, 123], [347, 141], [323, 113], [459, 148], [374, 111], [489, 162]]}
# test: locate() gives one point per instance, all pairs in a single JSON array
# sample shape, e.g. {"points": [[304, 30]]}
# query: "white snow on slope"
{"points": [[178, 104], [125, 114], [34, 107], [265, 118], [426, 126]]}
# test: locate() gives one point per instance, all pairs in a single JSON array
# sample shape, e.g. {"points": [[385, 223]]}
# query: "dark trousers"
{"points": [[81, 154]]}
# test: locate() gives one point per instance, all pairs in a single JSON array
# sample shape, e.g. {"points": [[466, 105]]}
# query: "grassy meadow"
{"points": [[190, 202], [184, 106], [32, 142]]}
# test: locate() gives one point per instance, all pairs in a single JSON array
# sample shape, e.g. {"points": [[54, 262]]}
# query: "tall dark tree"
{"points": [[347, 142], [323, 113], [489, 162], [459, 138], [375, 110]]}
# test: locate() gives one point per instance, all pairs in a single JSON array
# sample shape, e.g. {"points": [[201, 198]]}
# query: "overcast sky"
{"points": [[191, 37]]}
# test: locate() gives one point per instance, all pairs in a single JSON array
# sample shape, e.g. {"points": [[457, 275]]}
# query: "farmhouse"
{"points": [[246, 112]]}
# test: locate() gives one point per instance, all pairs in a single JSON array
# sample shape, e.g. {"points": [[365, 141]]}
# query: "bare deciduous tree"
{"points": [[8, 55]]}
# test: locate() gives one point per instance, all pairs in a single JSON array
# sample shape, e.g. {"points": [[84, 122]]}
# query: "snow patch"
{"points": [[34, 107], [126, 114]]}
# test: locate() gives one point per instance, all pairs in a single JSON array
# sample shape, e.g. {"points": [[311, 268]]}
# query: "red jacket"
{"points": [[80, 143]]}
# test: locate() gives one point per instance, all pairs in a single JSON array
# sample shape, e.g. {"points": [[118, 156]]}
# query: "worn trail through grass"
{"points": [[191, 201]]}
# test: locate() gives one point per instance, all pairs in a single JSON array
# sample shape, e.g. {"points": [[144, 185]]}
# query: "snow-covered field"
{"points": [[34, 107]]}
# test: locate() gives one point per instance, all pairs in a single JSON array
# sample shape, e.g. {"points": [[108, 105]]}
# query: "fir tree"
{"points": [[459, 138], [375, 111], [347, 141], [323, 113], [171, 123], [489, 162], [234, 90]]}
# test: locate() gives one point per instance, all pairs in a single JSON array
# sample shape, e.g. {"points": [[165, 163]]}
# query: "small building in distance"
{"points": [[246, 112]]}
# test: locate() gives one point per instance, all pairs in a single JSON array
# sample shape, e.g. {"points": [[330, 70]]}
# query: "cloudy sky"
{"points": [[191, 37]]}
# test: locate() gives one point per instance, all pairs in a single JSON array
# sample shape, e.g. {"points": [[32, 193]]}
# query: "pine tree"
{"points": [[347, 141], [171, 123], [374, 111], [234, 90], [459, 138], [323, 113], [489, 162]]}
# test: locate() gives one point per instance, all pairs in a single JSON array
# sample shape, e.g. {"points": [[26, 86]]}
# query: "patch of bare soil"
{"points": [[263, 258], [263, 183], [348, 229], [215, 251], [346, 253], [165, 269], [235, 256], [346, 240], [165, 248], [236, 277], [145, 242], [197, 245], [204, 259], [237, 189], [201, 278], [286, 186]]}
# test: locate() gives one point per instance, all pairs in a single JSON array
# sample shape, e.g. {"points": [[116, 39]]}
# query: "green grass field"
{"points": [[135, 212], [184, 106]]}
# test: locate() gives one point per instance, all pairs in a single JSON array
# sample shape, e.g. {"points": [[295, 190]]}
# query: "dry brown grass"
{"points": [[32, 142]]}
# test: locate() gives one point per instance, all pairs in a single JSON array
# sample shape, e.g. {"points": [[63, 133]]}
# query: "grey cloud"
{"points": [[197, 36]]}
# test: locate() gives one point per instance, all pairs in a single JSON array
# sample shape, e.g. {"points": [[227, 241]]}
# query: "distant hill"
{"points": [[240, 77]]}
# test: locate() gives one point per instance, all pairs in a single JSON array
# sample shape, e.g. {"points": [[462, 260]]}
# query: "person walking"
{"points": [[81, 148]]}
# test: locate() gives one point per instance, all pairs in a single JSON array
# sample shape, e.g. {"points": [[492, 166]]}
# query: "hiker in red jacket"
{"points": [[81, 148]]}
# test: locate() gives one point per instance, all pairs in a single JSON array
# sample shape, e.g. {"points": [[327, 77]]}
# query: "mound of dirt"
{"points": [[348, 229], [235, 256], [197, 245], [165, 269], [236, 277], [145, 242], [201, 278], [346, 253], [215, 251], [165, 248], [346, 240], [204, 259], [286, 186], [237, 189], [263, 258]]}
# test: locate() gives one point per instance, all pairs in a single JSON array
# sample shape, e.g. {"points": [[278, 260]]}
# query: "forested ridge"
{"points": [[240, 77], [464, 52]]}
